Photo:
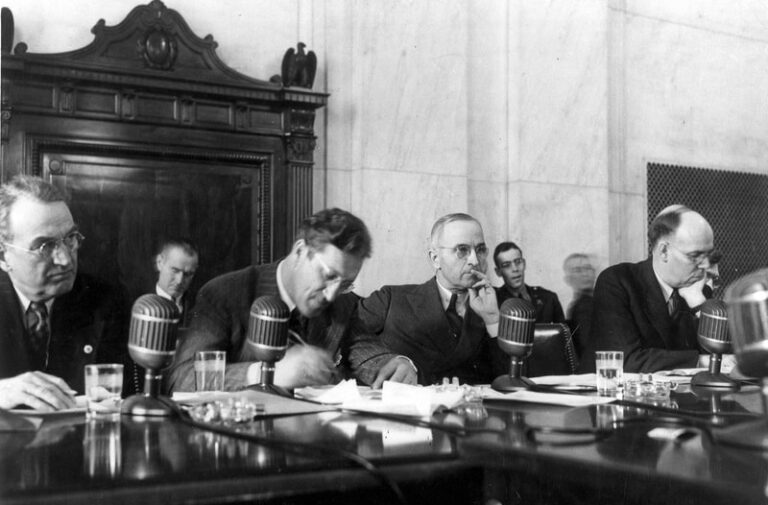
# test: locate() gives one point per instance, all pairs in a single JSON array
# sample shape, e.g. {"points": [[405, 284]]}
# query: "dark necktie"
{"points": [[454, 319], [674, 303], [39, 332], [298, 324]]}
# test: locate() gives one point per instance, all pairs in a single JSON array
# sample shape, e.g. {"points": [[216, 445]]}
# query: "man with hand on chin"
{"points": [[446, 325], [53, 320], [315, 281], [650, 309]]}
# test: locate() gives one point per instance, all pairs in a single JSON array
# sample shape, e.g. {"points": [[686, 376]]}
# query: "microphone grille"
{"points": [[517, 319], [268, 323], [154, 322], [713, 322]]}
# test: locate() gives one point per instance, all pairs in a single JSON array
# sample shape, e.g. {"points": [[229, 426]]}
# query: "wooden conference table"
{"points": [[512, 452]]}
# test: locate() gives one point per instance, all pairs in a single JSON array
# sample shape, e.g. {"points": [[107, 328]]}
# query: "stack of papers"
{"points": [[394, 398]]}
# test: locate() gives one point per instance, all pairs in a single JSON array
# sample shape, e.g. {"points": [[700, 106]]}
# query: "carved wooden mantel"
{"points": [[150, 95]]}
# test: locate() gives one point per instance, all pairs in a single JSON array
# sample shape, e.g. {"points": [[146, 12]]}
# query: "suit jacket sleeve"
{"points": [[366, 353], [210, 329], [618, 323]]}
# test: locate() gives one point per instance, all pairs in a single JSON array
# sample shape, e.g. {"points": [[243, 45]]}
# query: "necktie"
{"points": [[454, 319], [674, 303], [298, 324], [39, 332]]}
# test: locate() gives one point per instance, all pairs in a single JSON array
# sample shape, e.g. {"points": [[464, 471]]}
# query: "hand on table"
{"points": [[38, 390], [398, 369]]}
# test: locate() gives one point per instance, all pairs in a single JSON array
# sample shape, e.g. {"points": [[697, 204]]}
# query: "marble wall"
{"points": [[538, 117]]}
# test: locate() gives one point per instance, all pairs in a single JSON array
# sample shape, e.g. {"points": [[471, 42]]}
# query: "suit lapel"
{"points": [[426, 306], [12, 334]]}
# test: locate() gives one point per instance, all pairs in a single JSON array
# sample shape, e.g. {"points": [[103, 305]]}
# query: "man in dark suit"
{"points": [[448, 324], [53, 321], [510, 266], [316, 280], [176, 263], [649, 309]]}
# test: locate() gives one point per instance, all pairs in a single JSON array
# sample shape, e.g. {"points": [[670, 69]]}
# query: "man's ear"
{"points": [[434, 259], [664, 250], [498, 271], [159, 260]]}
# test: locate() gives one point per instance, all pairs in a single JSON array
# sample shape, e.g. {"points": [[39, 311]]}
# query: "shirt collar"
{"points": [[445, 297], [26, 301], [665, 288], [284, 296], [161, 292], [523, 292]]}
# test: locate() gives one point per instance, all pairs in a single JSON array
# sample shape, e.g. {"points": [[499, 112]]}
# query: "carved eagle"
{"points": [[299, 67]]}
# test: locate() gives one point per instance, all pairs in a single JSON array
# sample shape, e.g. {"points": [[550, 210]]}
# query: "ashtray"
{"points": [[228, 411], [647, 389]]}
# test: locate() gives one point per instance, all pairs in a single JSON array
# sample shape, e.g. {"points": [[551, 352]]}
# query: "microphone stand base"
{"points": [[271, 389], [149, 406], [714, 381], [508, 383], [751, 435]]}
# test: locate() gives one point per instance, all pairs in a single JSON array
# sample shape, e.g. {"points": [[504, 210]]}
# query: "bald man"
{"points": [[650, 309]]}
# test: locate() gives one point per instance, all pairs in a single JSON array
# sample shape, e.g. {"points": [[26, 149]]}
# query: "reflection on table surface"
{"points": [[71, 453]]}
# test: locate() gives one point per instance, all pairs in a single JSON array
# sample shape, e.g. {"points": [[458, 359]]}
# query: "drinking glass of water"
{"points": [[609, 366], [103, 389], [210, 367]]}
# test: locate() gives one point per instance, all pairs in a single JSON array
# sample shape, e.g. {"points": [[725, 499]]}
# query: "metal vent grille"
{"points": [[734, 203]]}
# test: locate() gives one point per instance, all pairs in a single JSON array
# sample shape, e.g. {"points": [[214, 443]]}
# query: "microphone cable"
{"points": [[302, 449]]}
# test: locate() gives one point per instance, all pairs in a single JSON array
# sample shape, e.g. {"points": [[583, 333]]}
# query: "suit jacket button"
{"points": [[87, 349]]}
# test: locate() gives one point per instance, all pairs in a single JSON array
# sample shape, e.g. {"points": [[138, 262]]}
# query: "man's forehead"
{"points": [[510, 254], [463, 232], [31, 216]]}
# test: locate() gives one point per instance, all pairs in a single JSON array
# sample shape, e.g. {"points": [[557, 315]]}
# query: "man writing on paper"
{"points": [[53, 321], [446, 324], [315, 281], [649, 309]]}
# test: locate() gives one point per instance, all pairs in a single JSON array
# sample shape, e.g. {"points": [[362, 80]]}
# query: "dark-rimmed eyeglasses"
{"points": [[45, 251], [331, 278], [697, 258], [463, 250]]}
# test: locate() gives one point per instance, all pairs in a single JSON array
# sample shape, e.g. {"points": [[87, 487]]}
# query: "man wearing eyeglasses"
{"points": [[444, 325], [650, 309], [53, 321], [315, 281], [510, 266]]}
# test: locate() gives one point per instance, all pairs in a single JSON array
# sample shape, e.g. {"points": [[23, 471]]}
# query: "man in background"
{"points": [[53, 320], [448, 324], [580, 276], [176, 264], [510, 266], [315, 281], [649, 310]]}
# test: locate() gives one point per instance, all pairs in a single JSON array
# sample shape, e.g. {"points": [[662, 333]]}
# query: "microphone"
{"points": [[747, 301], [714, 337], [268, 339], [151, 344], [516, 326]]}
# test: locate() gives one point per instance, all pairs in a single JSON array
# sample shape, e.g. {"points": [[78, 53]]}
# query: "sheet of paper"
{"points": [[568, 400], [273, 405], [79, 408]]}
